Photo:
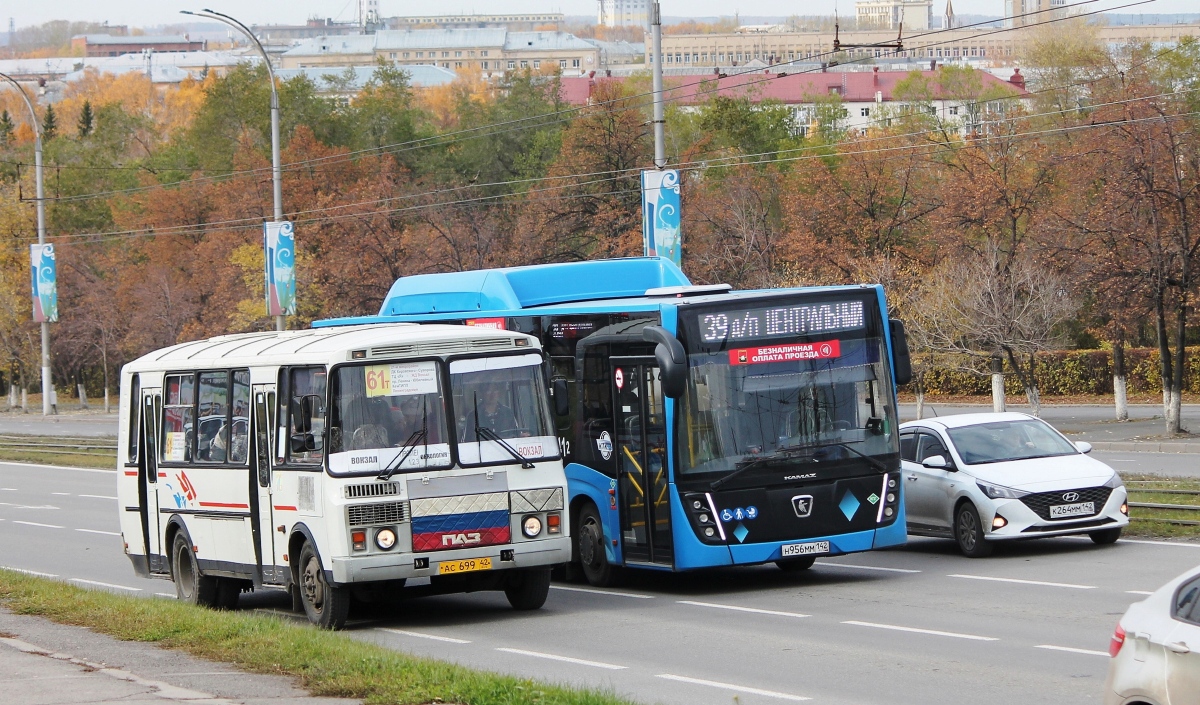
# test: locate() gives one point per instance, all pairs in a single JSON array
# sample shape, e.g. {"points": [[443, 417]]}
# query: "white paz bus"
{"points": [[343, 461]]}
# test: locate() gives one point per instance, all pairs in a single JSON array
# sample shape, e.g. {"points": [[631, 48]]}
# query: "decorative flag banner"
{"points": [[44, 279], [661, 235], [279, 244]]}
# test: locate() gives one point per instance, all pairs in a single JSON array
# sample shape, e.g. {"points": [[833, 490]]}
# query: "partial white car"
{"points": [[1156, 648], [982, 478]]}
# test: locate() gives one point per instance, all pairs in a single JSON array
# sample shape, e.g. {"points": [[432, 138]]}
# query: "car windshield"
{"points": [[821, 399], [501, 408], [386, 414], [999, 441]]}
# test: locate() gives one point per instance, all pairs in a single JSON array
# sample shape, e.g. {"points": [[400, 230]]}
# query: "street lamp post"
{"points": [[47, 385], [276, 170]]}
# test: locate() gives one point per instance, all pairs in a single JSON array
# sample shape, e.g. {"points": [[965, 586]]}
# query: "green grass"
{"points": [[56, 450], [325, 663], [1150, 522]]}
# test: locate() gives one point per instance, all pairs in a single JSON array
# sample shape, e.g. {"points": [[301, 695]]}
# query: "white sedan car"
{"points": [[1156, 648], [982, 478]]}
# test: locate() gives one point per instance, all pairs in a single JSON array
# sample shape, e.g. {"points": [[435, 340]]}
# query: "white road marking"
{"points": [[8, 489], [1068, 649], [602, 592], [61, 494], [741, 609], [57, 467], [97, 496], [97, 531], [171, 595], [867, 567], [934, 632], [34, 523], [731, 686], [30, 572], [27, 506], [1073, 586], [1162, 543], [107, 585], [1138, 592], [420, 635], [564, 659]]}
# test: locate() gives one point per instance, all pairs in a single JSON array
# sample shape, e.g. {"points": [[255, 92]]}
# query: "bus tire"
{"points": [[228, 590], [325, 605], [190, 585], [795, 565], [527, 589], [589, 537]]}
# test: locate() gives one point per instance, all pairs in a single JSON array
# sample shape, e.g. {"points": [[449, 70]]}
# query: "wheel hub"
{"points": [[587, 545], [314, 591]]}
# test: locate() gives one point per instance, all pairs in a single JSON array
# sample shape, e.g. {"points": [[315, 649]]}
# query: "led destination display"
{"points": [[781, 321]]}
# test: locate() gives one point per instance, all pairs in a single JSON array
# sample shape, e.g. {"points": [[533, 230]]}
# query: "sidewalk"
{"points": [[44, 663]]}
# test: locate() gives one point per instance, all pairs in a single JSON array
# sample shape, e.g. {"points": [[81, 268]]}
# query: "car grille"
{"points": [[1040, 502], [376, 514]]}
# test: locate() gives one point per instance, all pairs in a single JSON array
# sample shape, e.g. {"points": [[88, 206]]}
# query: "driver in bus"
{"points": [[493, 413], [409, 418]]}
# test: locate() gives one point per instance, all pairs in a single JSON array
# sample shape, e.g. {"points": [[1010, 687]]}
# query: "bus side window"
{"points": [[179, 416], [594, 439], [306, 382], [135, 417]]}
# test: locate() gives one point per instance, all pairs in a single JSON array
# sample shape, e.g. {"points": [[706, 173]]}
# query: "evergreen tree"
{"points": [[86, 119], [6, 127], [49, 124]]}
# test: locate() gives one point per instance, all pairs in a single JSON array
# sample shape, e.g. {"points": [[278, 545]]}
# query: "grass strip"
{"points": [[80, 459], [1153, 522], [326, 663]]}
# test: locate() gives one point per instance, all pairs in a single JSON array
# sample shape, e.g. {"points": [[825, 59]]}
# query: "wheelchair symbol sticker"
{"points": [[726, 515]]}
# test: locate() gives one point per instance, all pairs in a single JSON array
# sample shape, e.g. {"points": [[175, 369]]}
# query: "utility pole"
{"points": [[660, 120], [47, 384], [276, 169]]}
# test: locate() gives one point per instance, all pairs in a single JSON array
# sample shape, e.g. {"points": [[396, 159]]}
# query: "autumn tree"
{"points": [[86, 122]]}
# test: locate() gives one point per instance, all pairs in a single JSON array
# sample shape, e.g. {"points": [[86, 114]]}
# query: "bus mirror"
{"points": [[304, 410], [303, 442], [558, 388], [900, 355], [672, 361]]}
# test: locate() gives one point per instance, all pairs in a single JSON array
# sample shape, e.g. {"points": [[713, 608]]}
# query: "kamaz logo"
{"points": [[461, 539]]}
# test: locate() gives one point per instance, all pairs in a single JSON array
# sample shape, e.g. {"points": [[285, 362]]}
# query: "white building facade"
{"points": [[621, 13], [888, 14]]}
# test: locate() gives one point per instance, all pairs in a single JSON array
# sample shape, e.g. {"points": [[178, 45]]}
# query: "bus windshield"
{"points": [[502, 409], [777, 397]]}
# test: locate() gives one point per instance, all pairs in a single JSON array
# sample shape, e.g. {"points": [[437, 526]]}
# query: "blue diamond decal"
{"points": [[849, 505], [740, 532]]}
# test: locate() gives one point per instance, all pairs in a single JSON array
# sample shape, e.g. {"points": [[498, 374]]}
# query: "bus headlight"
{"points": [[385, 539], [531, 526]]}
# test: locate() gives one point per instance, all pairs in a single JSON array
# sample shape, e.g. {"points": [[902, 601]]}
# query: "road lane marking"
{"points": [[97, 496], [30, 572], [1068, 649], [934, 632], [602, 592], [8, 489], [61, 494], [97, 531], [1072, 586], [731, 686], [564, 659], [867, 567], [34, 523], [171, 595], [1162, 543], [1138, 592], [55, 467], [421, 635], [107, 585], [741, 609]]}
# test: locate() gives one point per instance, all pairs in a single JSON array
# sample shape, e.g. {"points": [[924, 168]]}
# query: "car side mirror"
{"points": [[937, 462], [558, 389], [1083, 446], [672, 361]]}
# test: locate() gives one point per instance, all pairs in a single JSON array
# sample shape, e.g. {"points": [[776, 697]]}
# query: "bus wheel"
{"points": [[592, 557], [325, 605], [527, 589], [795, 565], [190, 585], [228, 590]]}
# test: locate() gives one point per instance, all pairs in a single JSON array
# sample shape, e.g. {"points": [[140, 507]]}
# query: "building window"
{"points": [[562, 63], [458, 64], [445, 64], [954, 110], [483, 53], [445, 55], [574, 63], [392, 55], [420, 54], [865, 112], [405, 55], [512, 64], [537, 64], [471, 53], [485, 66], [458, 54]]}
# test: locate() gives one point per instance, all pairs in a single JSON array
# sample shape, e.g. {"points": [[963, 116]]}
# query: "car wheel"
{"points": [[593, 559], [968, 531], [527, 589], [190, 585], [795, 565], [1106, 536], [325, 605]]}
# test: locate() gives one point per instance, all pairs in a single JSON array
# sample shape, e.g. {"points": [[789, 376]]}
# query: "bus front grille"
{"points": [[373, 489], [376, 514]]}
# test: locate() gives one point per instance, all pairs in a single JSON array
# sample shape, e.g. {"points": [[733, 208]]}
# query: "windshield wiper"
{"points": [[409, 446], [491, 435], [874, 463], [781, 454]]}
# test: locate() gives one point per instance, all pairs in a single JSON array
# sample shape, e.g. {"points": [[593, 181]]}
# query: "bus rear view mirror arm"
{"points": [[672, 361]]}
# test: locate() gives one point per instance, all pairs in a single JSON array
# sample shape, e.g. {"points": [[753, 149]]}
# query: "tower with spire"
{"points": [[948, 19]]}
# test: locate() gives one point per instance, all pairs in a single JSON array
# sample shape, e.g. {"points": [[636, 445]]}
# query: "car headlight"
{"points": [[385, 539], [1114, 482], [1000, 491], [531, 526]]}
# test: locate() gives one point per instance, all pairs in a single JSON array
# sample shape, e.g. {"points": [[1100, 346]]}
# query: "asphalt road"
{"points": [[918, 625], [96, 424]]}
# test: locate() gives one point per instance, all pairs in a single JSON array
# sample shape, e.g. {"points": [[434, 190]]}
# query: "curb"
{"points": [[1147, 446]]}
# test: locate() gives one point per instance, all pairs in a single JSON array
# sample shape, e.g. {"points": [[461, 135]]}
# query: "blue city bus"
{"points": [[701, 426]]}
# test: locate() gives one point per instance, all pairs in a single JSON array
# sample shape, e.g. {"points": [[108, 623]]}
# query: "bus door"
{"points": [[641, 448], [261, 508], [156, 558]]}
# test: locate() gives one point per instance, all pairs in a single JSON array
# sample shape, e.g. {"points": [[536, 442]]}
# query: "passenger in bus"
{"points": [[410, 418]]}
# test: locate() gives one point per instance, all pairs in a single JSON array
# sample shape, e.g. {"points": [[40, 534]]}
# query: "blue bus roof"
{"points": [[595, 286]]}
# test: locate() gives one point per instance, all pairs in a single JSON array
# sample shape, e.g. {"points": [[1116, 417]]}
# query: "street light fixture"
{"points": [[47, 385], [276, 170]]}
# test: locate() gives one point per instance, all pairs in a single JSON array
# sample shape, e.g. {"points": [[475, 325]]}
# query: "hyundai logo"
{"points": [[802, 504], [1071, 497]]}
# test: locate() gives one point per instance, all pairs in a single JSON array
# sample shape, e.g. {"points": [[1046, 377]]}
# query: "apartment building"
{"points": [[889, 14], [622, 13]]}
